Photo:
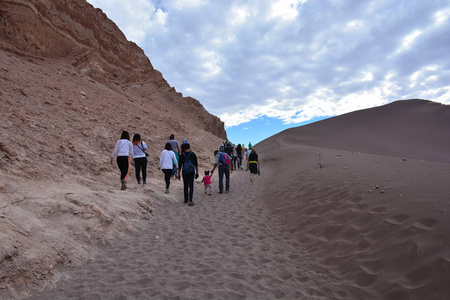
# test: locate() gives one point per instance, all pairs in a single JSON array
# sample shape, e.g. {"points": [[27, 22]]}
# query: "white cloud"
{"points": [[293, 60]]}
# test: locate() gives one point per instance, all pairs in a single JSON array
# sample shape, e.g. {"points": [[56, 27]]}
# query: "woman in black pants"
{"points": [[140, 158], [123, 151], [166, 163]]}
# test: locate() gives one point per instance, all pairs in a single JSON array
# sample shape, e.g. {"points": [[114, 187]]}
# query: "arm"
{"points": [[130, 150], [196, 166], [179, 165], [174, 159], [161, 160], [116, 150]]}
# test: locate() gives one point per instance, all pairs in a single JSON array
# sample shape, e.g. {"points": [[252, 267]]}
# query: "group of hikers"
{"points": [[179, 161]]}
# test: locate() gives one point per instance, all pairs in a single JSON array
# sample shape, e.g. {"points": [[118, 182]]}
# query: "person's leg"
{"points": [[185, 187], [144, 170], [175, 170], [221, 179], [137, 166], [191, 178], [167, 174], [123, 163], [227, 179]]}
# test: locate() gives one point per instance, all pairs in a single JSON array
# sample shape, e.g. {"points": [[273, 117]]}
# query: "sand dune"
{"points": [[413, 129], [380, 223]]}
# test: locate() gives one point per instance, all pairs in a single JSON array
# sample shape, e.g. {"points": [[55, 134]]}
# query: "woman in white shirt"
{"points": [[140, 158], [123, 151], [166, 163]]}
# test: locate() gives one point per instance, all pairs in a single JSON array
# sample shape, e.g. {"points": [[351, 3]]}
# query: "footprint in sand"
{"points": [[398, 219], [378, 210], [426, 224]]}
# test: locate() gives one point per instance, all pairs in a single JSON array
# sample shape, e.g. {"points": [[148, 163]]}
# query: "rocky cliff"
{"points": [[79, 34], [70, 82]]}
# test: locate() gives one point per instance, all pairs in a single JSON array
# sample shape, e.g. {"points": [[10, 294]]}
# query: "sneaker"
{"points": [[221, 192], [210, 193], [191, 204], [144, 183], [167, 191], [139, 183], [227, 191], [124, 187]]}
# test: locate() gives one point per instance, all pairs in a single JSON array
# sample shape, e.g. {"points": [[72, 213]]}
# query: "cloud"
{"points": [[292, 59]]}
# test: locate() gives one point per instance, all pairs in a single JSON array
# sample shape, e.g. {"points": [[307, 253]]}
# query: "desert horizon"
{"points": [[355, 206]]}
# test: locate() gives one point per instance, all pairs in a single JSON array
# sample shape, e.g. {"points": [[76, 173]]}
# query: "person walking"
{"points": [[253, 165], [223, 161], [239, 155], [166, 163], [123, 150], [177, 150], [140, 158], [207, 183], [235, 163], [189, 166]]}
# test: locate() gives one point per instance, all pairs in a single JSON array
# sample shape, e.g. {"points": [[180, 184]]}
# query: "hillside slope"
{"points": [[70, 82]]}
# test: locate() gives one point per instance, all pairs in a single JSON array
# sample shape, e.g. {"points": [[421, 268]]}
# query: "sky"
{"points": [[263, 66]]}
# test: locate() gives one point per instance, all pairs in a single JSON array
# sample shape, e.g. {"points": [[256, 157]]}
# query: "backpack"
{"points": [[224, 159], [188, 165]]}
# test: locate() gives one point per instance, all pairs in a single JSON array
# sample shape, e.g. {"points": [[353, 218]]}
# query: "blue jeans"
{"points": [[224, 170]]}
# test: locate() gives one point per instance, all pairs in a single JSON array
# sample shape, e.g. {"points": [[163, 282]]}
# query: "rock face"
{"points": [[79, 34], [70, 82]]}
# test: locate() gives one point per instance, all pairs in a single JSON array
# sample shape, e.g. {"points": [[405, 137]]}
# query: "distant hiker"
{"points": [[253, 165], [140, 158], [249, 145], [123, 150], [166, 162], [176, 149], [189, 167], [183, 145], [223, 161], [207, 182], [235, 158], [249, 150], [239, 155]]}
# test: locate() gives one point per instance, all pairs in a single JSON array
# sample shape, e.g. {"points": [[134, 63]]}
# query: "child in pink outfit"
{"points": [[207, 182]]}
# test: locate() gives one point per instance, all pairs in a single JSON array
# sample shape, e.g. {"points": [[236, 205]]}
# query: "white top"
{"points": [[137, 149], [168, 159], [123, 148]]}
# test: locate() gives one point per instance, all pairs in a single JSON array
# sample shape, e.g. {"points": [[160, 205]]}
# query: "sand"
{"points": [[358, 226], [221, 248]]}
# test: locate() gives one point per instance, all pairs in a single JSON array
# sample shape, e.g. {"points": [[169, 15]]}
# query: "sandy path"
{"points": [[221, 248]]}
